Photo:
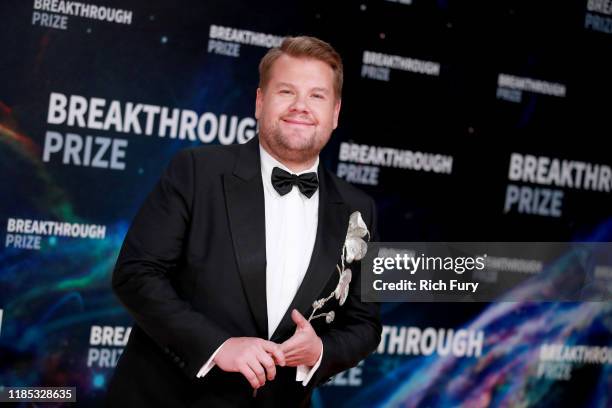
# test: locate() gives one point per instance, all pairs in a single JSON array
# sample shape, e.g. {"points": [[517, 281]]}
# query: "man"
{"points": [[225, 258]]}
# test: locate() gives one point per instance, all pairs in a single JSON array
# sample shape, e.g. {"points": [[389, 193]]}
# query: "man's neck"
{"points": [[295, 167]]}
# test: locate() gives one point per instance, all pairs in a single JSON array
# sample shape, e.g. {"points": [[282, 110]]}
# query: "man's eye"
{"points": [[318, 96], [285, 91]]}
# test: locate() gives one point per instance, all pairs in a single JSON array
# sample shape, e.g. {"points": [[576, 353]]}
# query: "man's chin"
{"points": [[297, 141]]}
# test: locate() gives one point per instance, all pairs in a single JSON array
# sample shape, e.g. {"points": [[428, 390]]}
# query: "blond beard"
{"points": [[278, 143]]}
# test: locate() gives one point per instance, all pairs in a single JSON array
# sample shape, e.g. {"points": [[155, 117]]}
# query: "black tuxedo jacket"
{"points": [[192, 273]]}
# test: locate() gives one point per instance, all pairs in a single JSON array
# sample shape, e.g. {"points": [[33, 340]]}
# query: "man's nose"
{"points": [[299, 104]]}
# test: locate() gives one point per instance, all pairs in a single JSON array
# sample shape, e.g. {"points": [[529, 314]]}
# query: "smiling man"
{"points": [[297, 105], [231, 248]]}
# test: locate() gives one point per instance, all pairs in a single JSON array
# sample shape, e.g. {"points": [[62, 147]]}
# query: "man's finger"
{"points": [[276, 351], [299, 320], [289, 345], [296, 360], [246, 371], [267, 363], [295, 363], [258, 370], [295, 352]]}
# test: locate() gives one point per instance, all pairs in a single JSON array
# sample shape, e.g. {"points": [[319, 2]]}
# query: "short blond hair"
{"points": [[304, 47]]}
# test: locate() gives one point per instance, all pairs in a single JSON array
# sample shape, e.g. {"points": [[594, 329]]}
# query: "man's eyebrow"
{"points": [[316, 89], [287, 84]]}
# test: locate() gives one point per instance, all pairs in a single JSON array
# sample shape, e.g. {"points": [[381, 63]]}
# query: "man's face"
{"points": [[298, 108]]}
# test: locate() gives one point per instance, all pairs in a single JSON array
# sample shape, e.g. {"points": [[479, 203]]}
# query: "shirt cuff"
{"points": [[210, 363], [305, 373]]}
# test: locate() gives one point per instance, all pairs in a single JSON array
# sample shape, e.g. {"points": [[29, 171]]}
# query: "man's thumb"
{"points": [[298, 319]]}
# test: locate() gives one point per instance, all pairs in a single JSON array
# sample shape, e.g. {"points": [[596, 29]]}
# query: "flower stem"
{"points": [[323, 301], [320, 315]]}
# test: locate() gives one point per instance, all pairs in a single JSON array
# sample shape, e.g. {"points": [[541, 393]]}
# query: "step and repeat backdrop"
{"points": [[465, 120]]}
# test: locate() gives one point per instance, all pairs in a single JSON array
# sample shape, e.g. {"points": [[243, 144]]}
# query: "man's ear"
{"points": [[337, 112], [258, 103]]}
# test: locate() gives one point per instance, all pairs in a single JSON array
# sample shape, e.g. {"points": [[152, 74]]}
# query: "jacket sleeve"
{"points": [[150, 255], [356, 330]]}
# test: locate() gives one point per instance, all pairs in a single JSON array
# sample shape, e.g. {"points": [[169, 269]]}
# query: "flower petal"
{"points": [[342, 290], [356, 249], [357, 227]]}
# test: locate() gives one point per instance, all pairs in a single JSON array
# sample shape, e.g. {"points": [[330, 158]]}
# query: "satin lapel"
{"points": [[331, 233], [244, 199]]}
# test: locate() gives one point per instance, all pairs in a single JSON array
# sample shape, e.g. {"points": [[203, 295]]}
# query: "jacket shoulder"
{"points": [[221, 154], [206, 159]]}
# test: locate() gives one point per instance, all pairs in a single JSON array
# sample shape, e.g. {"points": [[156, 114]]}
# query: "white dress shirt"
{"points": [[291, 228]]}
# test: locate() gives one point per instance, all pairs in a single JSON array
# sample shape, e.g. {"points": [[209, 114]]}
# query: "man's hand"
{"points": [[304, 347], [253, 357]]}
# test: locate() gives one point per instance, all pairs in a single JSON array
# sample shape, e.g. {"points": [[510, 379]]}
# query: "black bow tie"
{"points": [[284, 181]]}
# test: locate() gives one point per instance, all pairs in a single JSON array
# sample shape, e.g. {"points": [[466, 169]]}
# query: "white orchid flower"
{"points": [[354, 249]]}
